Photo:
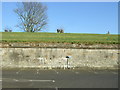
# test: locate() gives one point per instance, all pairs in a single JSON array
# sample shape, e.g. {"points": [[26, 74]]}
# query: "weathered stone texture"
{"points": [[58, 45], [56, 57]]}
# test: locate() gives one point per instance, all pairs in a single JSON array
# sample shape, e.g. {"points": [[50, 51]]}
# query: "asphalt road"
{"points": [[36, 78]]}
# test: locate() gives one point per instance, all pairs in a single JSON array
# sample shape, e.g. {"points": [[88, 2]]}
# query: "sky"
{"points": [[73, 17]]}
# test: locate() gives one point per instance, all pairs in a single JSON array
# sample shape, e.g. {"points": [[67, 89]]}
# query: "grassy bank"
{"points": [[59, 38]]}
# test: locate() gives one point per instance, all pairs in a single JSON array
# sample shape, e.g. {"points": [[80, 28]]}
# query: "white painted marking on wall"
{"points": [[41, 60]]}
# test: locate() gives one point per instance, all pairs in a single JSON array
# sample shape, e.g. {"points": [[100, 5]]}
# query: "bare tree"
{"points": [[32, 16]]}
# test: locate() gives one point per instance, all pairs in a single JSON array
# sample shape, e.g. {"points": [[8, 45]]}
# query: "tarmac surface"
{"points": [[55, 78]]}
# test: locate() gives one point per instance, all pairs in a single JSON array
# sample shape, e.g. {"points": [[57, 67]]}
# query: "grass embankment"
{"points": [[60, 38]]}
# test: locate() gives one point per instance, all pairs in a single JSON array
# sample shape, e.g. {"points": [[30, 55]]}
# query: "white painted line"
{"points": [[0, 80], [41, 80], [15, 80], [33, 80], [53, 80]]}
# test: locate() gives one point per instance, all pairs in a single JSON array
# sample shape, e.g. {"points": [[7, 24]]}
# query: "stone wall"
{"points": [[58, 45], [56, 58]]}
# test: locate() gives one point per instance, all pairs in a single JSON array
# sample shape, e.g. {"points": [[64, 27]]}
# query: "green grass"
{"points": [[59, 38]]}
